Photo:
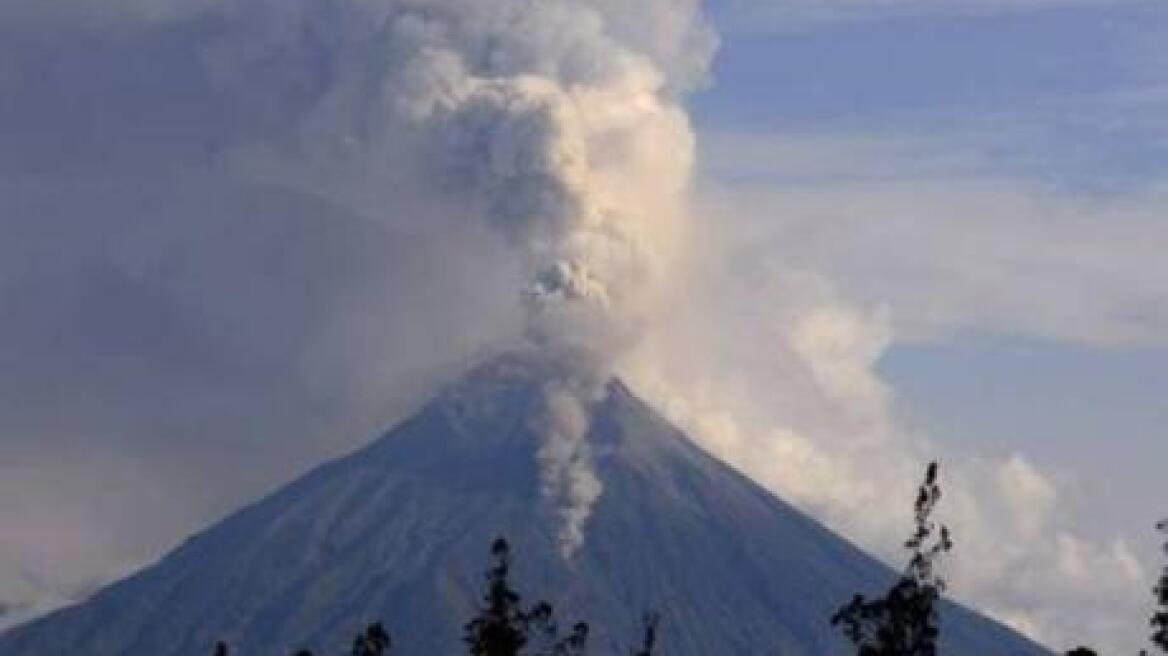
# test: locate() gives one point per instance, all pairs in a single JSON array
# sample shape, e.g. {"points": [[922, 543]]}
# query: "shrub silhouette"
{"points": [[373, 641], [904, 621], [1160, 615], [649, 638], [503, 627]]}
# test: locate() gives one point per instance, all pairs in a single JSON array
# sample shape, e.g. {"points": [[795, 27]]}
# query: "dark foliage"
{"points": [[575, 642], [649, 639], [504, 627], [373, 641], [1082, 651], [1160, 616], [904, 621]]}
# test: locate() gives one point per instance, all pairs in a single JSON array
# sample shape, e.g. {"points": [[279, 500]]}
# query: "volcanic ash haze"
{"points": [[553, 126], [567, 143]]}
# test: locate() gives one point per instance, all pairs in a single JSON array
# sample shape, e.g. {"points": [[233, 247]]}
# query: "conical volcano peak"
{"points": [[610, 510], [534, 367], [501, 400], [512, 393], [549, 398]]}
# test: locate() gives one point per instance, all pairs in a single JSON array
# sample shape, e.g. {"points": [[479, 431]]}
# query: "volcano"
{"points": [[399, 531]]}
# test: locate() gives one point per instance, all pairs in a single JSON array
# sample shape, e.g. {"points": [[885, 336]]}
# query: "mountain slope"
{"points": [[399, 531]]}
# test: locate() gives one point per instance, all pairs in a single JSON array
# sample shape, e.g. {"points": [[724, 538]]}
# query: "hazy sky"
{"points": [[1037, 321], [940, 219], [991, 174]]}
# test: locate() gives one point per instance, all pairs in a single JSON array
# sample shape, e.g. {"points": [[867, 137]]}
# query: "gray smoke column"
{"points": [[566, 469], [570, 145], [552, 128], [555, 126], [241, 233]]}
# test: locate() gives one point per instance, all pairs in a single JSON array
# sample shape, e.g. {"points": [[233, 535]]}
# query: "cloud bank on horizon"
{"points": [[235, 220]]}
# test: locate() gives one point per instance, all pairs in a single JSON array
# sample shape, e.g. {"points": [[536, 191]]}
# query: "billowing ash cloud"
{"points": [[564, 141], [536, 119], [774, 371], [569, 145], [227, 220]]}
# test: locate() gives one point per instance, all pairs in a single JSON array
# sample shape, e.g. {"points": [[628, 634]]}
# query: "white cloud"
{"points": [[774, 373], [951, 249], [829, 248]]}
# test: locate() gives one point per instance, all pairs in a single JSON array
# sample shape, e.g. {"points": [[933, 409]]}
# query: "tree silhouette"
{"points": [[501, 627], [904, 621], [1082, 651], [373, 641], [649, 639], [1160, 616], [574, 643], [504, 627]]}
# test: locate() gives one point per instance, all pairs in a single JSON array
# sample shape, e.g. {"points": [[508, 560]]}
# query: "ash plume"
{"points": [[568, 143], [572, 148], [331, 204], [556, 126], [553, 128]]}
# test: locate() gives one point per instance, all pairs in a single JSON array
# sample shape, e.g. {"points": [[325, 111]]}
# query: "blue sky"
{"points": [[1095, 417], [1066, 101], [1078, 90]]}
